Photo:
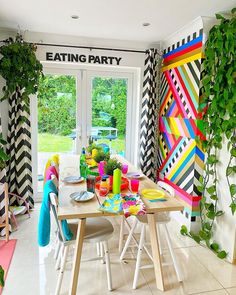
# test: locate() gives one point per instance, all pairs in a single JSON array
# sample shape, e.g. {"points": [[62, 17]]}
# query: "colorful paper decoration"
{"points": [[133, 205], [112, 204], [181, 158]]}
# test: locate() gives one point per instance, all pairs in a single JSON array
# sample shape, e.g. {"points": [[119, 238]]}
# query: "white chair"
{"points": [[97, 230], [162, 219]]}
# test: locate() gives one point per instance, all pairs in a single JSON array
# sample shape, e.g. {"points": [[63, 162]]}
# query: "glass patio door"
{"points": [[109, 111], [58, 113], [74, 105]]}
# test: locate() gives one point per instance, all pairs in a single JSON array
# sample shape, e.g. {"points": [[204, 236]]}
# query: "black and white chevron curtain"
{"points": [[19, 168], [2, 200], [150, 113]]}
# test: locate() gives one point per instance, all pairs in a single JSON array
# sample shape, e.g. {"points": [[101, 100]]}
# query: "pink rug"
{"points": [[6, 253]]}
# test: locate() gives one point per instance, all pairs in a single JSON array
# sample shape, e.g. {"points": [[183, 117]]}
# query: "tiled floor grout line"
{"points": [[206, 291], [209, 271]]}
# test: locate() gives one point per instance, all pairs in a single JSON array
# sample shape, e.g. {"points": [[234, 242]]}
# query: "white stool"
{"points": [[162, 219]]}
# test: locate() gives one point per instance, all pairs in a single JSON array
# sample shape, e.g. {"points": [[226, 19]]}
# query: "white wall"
{"points": [[185, 31]]}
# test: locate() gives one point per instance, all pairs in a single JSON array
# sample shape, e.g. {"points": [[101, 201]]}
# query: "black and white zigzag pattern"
{"points": [[150, 113], [2, 200], [19, 169]]}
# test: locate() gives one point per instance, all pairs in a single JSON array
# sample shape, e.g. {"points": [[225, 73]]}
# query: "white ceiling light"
{"points": [[75, 16], [146, 24]]}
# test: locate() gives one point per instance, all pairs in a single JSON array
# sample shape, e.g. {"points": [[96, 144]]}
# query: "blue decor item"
{"points": [[44, 225]]}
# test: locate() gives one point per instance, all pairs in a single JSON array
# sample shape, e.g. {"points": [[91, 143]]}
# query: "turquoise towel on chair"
{"points": [[44, 226]]}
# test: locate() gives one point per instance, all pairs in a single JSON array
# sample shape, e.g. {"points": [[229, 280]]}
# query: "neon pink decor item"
{"points": [[125, 168], [51, 171], [101, 168], [134, 183]]}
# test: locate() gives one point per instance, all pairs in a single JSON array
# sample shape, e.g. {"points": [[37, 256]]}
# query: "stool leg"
{"points": [[108, 266], [138, 262], [172, 253], [121, 233], [57, 249], [129, 238], [98, 249], [102, 253], [59, 257], [59, 282]]}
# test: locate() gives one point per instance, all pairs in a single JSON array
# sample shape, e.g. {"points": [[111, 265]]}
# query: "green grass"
{"points": [[117, 145], [58, 143], [54, 143]]}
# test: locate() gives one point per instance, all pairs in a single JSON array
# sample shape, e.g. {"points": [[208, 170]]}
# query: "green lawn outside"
{"points": [[54, 143], [57, 143]]}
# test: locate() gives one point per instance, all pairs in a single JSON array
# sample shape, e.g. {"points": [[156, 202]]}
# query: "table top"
{"points": [[70, 209]]}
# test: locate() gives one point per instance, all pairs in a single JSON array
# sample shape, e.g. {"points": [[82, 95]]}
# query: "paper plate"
{"points": [[73, 179], [82, 196], [134, 175], [153, 194]]}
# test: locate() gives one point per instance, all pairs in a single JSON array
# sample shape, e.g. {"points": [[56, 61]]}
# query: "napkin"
{"points": [[112, 204], [133, 205]]}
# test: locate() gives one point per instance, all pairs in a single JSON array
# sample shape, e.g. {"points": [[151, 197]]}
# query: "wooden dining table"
{"points": [[70, 209]]}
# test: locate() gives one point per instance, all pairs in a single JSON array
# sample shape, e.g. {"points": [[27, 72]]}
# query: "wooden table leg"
{"points": [[77, 256], [155, 252]]}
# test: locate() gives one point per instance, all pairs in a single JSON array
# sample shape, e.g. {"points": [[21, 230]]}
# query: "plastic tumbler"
{"points": [[124, 168], [134, 183], [91, 181]]}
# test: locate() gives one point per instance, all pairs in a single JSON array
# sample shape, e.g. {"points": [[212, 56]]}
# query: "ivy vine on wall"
{"points": [[20, 69], [218, 110]]}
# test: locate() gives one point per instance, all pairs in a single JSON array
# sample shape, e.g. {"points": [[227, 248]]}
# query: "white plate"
{"points": [[82, 196], [134, 175], [73, 179]]}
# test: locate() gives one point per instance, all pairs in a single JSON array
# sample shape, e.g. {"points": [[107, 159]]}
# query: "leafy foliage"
{"points": [[1, 276], [3, 156], [92, 146], [218, 111], [57, 99], [101, 156], [219, 103], [20, 68], [57, 104], [111, 165], [109, 95]]}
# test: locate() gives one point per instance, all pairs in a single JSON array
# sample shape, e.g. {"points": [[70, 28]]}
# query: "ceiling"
{"points": [[109, 19]]}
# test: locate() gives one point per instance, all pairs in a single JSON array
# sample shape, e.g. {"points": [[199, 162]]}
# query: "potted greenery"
{"points": [[109, 168], [111, 165], [20, 69], [93, 146], [101, 156]]}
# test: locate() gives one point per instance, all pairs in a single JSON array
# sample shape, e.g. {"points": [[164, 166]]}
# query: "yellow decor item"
{"points": [[55, 159], [91, 163], [94, 152], [152, 194]]}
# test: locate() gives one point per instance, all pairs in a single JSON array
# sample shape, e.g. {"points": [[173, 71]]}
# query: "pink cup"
{"points": [[134, 183], [124, 168]]}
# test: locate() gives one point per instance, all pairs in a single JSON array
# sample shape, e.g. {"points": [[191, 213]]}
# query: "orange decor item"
{"points": [[124, 184]]}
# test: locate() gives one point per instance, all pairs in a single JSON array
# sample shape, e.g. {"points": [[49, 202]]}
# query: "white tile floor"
{"points": [[32, 269]]}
